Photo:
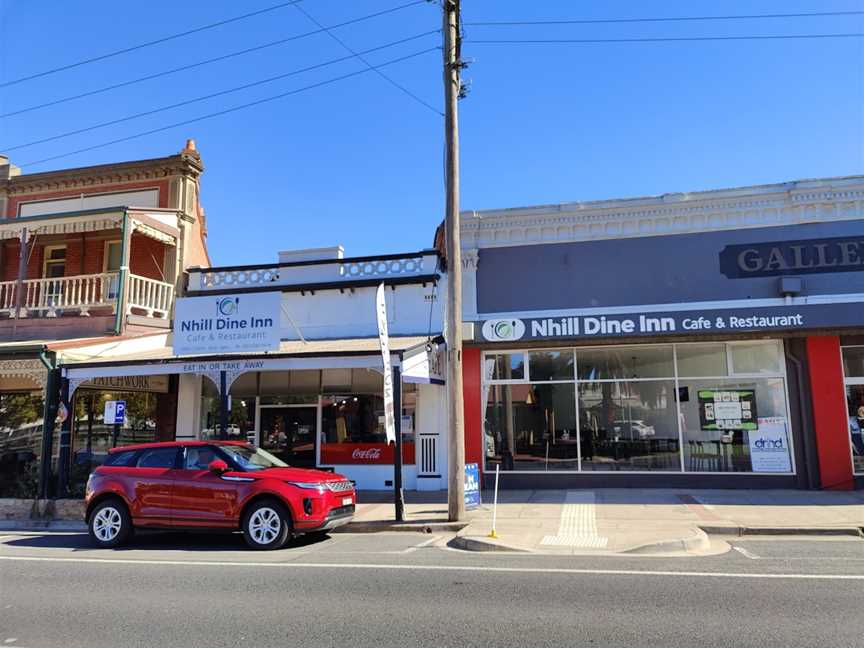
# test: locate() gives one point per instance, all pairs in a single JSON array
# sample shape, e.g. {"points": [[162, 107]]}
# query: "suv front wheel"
{"points": [[110, 524], [266, 525]]}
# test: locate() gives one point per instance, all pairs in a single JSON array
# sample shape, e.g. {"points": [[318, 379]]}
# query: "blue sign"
{"points": [[472, 486], [120, 412]]}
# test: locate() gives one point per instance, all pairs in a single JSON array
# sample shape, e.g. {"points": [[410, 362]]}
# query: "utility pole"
{"points": [[456, 414]]}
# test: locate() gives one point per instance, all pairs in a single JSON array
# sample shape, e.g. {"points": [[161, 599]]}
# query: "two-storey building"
{"points": [[91, 259]]}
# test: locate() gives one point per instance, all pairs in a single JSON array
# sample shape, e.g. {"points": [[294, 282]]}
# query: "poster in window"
{"points": [[769, 446], [728, 409]]}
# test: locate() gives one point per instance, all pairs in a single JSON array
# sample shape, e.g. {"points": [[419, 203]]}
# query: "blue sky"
{"points": [[359, 163]]}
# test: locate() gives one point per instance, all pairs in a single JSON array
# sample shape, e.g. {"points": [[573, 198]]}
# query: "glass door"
{"points": [[289, 432]]}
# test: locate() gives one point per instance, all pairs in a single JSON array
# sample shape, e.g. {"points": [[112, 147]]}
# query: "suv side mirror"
{"points": [[217, 466]]}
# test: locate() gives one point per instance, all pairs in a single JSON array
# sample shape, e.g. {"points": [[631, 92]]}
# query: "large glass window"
{"points": [[853, 367], [629, 425], [20, 443], [639, 408]]}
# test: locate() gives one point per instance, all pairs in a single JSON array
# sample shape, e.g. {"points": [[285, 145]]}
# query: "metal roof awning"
{"points": [[89, 221], [347, 353]]}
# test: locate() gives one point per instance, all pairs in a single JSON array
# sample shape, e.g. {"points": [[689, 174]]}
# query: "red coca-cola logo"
{"points": [[367, 454]]}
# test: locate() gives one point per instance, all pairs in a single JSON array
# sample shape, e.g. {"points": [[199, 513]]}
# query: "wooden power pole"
{"points": [[456, 414]]}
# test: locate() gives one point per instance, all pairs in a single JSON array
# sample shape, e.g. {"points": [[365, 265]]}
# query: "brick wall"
{"points": [[161, 185], [88, 257]]}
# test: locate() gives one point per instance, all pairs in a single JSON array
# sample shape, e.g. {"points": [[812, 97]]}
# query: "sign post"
{"points": [[114, 414]]}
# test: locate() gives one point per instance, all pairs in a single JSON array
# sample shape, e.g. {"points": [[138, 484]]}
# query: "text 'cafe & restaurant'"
{"points": [[287, 356], [709, 339]]}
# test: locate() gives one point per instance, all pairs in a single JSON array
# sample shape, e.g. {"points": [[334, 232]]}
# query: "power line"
{"points": [[165, 39], [228, 110], [369, 65], [601, 21], [216, 59], [214, 94], [555, 41]]}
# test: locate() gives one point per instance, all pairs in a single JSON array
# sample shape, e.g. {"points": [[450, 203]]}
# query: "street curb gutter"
{"points": [[735, 530], [42, 525], [697, 542], [469, 543], [377, 526]]}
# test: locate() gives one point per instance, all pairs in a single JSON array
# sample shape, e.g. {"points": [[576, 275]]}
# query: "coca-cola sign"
{"points": [[335, 454], [367, 454]]}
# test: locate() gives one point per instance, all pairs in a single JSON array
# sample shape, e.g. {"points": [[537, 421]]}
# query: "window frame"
{"points": [[854, 381], [48, 261], [676, 378]]}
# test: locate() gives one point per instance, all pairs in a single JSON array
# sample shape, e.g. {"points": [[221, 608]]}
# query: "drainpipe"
{"points": [[122, 274], [19, 282]]}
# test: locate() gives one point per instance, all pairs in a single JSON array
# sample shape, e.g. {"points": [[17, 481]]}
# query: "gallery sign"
{"points": [[779, 258], [711, 322], [227, 323]]}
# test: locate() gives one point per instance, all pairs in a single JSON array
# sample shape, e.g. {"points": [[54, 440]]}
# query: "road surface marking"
{"points": [[745, 553], [578, 526], [425, 543], [441, 568]]}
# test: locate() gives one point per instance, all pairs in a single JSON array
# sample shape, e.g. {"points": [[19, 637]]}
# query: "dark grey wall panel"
{"points": [[663, 269]]}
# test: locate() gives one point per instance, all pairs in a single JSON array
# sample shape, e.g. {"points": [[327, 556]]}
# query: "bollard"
{"points": [[492, 534]]}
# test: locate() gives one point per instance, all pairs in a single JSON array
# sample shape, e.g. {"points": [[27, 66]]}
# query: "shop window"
{"points": [[697, 360], [755, 358], [735, 425], [92, 437], [629, 425], [853, 370], [550, 365], [20, 443], [505, 366], [853, 362], [241, 411], [622, 363], [632, 409], [531, 427]]}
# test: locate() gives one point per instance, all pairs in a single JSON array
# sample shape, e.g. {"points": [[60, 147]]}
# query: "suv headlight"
{"points": [[309, 486]]}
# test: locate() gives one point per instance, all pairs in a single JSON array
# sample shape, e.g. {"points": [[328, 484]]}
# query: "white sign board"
{"points": [[115, 412], [384, 340], [228, 323], [769, 446], [425, 366]]}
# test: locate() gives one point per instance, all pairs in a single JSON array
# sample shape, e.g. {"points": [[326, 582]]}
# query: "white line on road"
{"points": [[745, 553], [441, 568], [425, 543]]}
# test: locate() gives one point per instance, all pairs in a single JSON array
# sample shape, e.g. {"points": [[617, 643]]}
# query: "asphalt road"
{"points": [[406, 590]]}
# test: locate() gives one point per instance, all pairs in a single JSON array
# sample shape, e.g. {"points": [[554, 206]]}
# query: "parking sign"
{"points": [[115, 412]]}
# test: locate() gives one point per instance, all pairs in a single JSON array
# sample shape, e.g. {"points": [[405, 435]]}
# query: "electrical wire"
{"points": [[216, 59], [555, 41], [214, 94], [158, 41], [602, 21], [228, 110], [359, 57]]}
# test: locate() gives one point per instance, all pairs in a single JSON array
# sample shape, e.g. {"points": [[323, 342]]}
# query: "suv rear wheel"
{"points": [[266, 525], [110, 524]]}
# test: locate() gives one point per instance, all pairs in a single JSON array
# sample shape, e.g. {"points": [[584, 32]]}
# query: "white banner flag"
{"points": [[384, 339]]}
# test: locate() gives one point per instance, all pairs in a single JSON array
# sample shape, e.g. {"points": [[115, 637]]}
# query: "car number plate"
{"points": [[347, 501]]}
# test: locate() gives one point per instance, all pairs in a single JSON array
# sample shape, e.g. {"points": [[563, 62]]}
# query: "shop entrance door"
{"points": [[289, 432]]}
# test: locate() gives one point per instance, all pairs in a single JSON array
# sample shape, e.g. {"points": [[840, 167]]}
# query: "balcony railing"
{"points": [[82, 293]]}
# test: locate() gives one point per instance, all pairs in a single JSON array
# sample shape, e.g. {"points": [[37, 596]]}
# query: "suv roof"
{"points": [[174, 444]]}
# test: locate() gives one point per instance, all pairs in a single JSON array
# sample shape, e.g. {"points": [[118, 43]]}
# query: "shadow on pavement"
{"points": [[155, 540]]}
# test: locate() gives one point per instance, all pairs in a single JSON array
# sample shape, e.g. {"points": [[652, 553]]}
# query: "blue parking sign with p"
{"points": [[120, 412]]}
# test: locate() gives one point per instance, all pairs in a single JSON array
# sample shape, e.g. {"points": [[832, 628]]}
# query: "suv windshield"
{"points": [[249, 458]]}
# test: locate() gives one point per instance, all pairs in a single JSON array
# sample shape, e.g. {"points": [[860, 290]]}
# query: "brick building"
{"points": [[90, 258]]}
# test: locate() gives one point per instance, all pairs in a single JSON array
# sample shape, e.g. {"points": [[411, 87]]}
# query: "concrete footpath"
{"points": [[577, 522], [650, 521]]}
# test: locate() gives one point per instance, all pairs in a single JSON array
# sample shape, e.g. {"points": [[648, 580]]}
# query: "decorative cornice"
{"points": [[106, 174], [831, 199]]}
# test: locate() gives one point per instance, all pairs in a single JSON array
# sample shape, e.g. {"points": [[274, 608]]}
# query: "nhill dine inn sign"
{"points": [[686, 322], [842, 254]]}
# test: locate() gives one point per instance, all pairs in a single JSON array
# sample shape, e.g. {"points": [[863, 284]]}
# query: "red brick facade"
{"points": [[161, 185]]}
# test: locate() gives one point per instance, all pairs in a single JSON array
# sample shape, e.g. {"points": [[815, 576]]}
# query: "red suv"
{"points": [[212, 485]]}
